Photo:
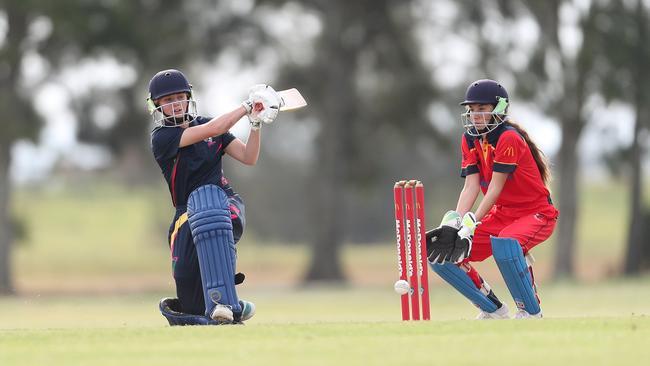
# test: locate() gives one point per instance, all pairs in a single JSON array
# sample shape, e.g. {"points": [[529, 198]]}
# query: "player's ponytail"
{"points": [[540, 159]]}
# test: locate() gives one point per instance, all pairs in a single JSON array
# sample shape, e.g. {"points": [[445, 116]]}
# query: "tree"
{"points": [[571, 85], [20, 120], [626, 79], [371, 86], [638, 245], [532, 83]]}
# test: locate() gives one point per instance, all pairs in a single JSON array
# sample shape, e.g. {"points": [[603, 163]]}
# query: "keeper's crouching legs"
{"points": [[469, 283]]}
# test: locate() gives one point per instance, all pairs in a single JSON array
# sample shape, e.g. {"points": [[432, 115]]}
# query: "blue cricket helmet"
{"points": [[167, 82], [484, 91]]}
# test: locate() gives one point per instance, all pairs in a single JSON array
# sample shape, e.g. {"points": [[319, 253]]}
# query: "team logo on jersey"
{"points": [[210, 141]]}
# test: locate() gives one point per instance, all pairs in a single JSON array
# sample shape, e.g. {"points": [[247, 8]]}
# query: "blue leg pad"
{"points": [[461, 282], [209, 217], [510, 258]]}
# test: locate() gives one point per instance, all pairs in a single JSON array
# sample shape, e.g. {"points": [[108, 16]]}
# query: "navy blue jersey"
{"points": [[192, 166]]}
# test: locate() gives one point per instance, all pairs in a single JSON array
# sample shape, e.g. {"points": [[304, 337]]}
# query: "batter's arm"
{"points": [[215, 127], [248, 152]]}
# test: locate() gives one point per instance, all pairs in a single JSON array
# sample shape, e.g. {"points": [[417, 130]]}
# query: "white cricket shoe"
{"points": [[523, 314], [222, 313], [500, 313]]}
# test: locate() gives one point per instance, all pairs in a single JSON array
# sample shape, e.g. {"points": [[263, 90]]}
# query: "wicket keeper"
{"points": [[516, 213]]}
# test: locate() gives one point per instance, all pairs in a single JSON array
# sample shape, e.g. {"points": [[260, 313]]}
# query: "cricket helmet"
{"points": [[168, 82], [484, 91]]}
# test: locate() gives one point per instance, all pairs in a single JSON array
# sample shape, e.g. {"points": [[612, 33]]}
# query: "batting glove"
{"points": [[266, 103]]}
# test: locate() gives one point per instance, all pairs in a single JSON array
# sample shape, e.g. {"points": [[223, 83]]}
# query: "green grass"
{"points": [[89, 231], [585, 325], [278, 305], [95, 263], [550, 342]]}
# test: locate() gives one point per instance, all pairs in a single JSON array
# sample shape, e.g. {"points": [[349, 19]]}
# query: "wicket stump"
{"points": [[411, 247]]}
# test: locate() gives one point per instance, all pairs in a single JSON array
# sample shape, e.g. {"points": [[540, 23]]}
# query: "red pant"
{"points": [[528, 229]]}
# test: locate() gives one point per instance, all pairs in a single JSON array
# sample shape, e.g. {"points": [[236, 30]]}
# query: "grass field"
{"points": [[551, 342], [601, 324], [88, 298]]}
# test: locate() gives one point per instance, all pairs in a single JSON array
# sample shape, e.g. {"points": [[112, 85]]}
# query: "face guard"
{"points": [[182, 112], [481, 123]]}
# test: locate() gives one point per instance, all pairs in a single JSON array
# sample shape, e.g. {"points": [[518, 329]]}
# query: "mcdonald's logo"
{"points": [[510, 151]]}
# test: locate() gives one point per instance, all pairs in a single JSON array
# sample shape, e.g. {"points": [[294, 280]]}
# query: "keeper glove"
{"points": [[441, 240], [463, 243]]}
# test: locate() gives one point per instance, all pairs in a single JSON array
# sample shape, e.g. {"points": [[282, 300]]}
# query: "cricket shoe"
{"points": [[222, 314], [500, 313], [523, 314], [247, 310]]}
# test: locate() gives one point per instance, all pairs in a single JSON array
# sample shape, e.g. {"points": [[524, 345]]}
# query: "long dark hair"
{"points": [[540, 159]]}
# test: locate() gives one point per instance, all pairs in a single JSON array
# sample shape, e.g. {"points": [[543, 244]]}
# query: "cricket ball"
{"points": [[402, 287]]}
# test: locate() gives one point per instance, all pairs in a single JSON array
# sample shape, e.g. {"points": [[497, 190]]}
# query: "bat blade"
{"points": [[292, 99]]}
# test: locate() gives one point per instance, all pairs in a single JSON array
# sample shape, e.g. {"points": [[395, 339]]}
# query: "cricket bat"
{"points": [[292, 99]]}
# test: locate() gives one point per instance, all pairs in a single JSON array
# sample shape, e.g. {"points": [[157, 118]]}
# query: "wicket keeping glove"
{"points": [[441, 240], [463, 244]]}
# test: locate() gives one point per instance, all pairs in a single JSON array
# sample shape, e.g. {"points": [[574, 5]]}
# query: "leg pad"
{"points": [[209, 217], [511, 262], [461, 281]]}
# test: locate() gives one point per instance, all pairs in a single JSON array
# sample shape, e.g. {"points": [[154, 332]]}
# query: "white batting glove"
{"points": [[255, 124], [254, 121], [265, 102], [248, 106]]}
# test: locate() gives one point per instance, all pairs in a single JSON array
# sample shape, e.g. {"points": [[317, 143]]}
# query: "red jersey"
{"points": [[504, 150]]}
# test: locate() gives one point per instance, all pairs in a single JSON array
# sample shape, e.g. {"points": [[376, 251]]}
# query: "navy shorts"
{"points": [[185, 263]]}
